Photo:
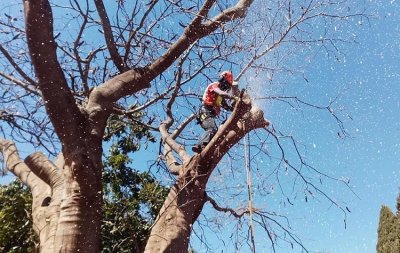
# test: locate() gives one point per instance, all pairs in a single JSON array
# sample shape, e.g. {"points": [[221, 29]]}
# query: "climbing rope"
{"points": [[249, 192]]}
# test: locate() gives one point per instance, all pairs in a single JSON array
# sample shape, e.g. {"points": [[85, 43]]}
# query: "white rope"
{"points": [[250, 198]]}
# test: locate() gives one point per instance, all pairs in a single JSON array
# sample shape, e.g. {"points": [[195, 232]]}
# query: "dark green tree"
{"points": [[132, 199], [388, 231], [16, 233], [131, 204]]}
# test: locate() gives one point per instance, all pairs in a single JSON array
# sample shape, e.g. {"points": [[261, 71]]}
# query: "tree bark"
{"points": [[52, 176], [171, 231], [73, 212], [80, 212]]}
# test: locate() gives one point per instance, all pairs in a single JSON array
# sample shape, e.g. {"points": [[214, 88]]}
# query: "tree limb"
{"points": [[60, 104], [76, 51], [133, 33], [15, 165], [105, 22], [39, 189], [16, 67], [169, 142], [179, 149], [21, 84], [44, 169], [225, 209], [173, 166]]}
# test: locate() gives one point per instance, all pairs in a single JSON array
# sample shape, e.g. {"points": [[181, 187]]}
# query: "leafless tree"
{"points": [[74, 63]]}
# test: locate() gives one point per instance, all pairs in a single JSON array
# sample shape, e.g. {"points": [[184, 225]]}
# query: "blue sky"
{"points": [[371, 156], [369, 79]]}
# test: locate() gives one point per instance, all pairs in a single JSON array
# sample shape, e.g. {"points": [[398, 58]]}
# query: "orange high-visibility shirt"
{"points": [[210, 98]]}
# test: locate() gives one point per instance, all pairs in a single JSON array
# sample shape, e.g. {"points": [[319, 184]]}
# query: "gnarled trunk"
{"points": [[67, 197], [79, 224]]}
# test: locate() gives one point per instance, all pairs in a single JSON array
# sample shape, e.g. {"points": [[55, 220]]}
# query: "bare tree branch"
{"points": [[39, 189], [138, 79], [16, 67], [328, 108], [283, 35], [117, 59], [25, 86], [164, 127], [233, 212], [76, 46], [60, 105], [15, 165], [132, 34]]}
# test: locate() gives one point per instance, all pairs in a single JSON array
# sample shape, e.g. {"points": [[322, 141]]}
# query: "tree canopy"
{"points": [[76, 73], [389, 230], [16, 232]]}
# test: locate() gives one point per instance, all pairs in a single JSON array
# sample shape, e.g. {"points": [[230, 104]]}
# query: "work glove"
{"points": [[235, 88]]}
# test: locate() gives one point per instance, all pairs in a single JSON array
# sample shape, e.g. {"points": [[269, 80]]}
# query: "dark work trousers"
{"points": [[208, 124]]}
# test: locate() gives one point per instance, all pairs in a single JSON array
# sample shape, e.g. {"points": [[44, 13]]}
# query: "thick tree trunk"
{"points": [[79, 224], [77, 227]]}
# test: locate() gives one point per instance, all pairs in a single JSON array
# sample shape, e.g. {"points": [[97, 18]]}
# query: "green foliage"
{"points": [[388, 232], [16, 233], [132, 201], [128, 132]]}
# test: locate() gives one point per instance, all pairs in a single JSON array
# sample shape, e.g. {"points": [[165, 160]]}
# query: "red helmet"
{"points": [[226, 76]]}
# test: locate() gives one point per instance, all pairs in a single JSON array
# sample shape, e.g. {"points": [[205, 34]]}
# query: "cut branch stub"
{"points": [[44, 168]]}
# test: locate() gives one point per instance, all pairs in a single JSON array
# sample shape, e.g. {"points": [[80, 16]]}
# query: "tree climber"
{"points": [[213, 99]]}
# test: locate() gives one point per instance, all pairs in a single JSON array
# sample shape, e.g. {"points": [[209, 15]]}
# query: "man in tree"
{"points": [[81, 81], [213, 99]]}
